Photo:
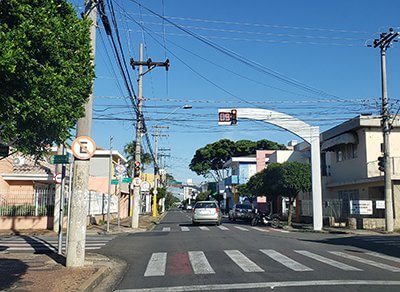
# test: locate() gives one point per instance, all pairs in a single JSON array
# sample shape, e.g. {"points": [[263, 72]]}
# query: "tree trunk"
{"points": [[291, 200]]}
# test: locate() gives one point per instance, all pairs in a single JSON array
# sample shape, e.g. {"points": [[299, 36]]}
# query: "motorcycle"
{"points": [[267, 219]]}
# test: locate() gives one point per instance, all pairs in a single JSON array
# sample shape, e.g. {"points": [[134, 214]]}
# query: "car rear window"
{"points": [[243, 206], [205, 205]]}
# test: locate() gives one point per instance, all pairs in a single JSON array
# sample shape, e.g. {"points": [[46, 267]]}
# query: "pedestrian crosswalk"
{"points": [[42, 244], [294, 260], [221, 227]]}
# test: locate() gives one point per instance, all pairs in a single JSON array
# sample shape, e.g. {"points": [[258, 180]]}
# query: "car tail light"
{"points": [[217, 210], [193, 210]]}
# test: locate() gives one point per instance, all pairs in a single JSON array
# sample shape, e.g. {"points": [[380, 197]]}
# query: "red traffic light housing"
{"points": [[233, 117], [136, 171]]}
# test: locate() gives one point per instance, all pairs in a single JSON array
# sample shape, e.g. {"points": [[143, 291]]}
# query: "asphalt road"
{"points": [[177, 256]]}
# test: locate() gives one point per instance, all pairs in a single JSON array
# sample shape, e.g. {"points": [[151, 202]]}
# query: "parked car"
{"points": [[206, 212], [241, 211]]}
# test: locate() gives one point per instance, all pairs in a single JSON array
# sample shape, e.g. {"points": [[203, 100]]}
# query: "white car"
{"points": [[206, 212]]}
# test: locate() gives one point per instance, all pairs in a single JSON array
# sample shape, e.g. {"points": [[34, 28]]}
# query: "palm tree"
{"points": [[130, 150]]}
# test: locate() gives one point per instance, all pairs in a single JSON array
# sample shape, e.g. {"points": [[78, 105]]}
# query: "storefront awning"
{"points": [[346, 138]]}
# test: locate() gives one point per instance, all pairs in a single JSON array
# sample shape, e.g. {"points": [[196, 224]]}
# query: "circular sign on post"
{"points": [[120, 169], [83, 147], [145, 186], [57, 178], [136, 181]]}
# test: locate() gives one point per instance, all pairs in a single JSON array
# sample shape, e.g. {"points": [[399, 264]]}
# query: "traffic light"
{"points": [[136, 171], [381, 163], [233, 117]]}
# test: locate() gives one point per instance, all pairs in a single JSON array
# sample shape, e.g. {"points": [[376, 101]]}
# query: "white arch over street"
{"points": [[308, 133]]}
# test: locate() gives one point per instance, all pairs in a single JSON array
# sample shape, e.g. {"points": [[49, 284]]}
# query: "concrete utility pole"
{"points": [[156, 167], [139, 124], [80, 193], [383, 43], [109, 185]]}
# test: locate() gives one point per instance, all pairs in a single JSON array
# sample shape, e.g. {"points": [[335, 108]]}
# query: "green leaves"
{"points": [[209, 160], [45, 72]]}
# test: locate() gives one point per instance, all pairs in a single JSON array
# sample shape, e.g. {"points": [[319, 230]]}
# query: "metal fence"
{"points": [[338, 209], [27, 203], [41, 203]]}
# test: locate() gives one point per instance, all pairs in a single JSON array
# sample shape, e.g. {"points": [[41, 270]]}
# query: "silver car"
{"points": [[206, 212]]}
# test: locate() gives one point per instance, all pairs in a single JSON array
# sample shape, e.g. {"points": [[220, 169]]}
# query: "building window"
{"points": [[346, 152]]}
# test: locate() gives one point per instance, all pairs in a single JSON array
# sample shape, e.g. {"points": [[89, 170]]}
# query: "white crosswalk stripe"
{"points": [[223, 228], [365, 261], [184, 228], [166, 229], [200, 263], [286, 261], [260, 229], [205, 228], [241, 228], [46, 244], [327, 261], [156, 265], [383, 256], [242, 261]]}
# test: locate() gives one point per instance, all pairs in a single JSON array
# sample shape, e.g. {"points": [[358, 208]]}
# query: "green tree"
{"points": [[294, 177], [208, 161], [203, 196], [45, 71]]}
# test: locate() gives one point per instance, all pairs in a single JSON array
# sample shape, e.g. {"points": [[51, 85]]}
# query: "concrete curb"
{"points": [[95, 279]]}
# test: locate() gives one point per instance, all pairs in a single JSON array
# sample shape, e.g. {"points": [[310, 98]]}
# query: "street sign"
{"points": [[120, 169], [57, 178], [127, 180], [145, 186], [114, 181], [60, 159], [4, 150], [136, 181], [83, 147]]}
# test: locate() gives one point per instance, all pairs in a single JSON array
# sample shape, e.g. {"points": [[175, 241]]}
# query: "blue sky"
{"points": [[308, 59]]}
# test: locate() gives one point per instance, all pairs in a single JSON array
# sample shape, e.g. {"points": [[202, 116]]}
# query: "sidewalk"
{"points": [[47, 272]]}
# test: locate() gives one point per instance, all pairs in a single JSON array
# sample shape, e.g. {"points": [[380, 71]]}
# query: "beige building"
{"points": [[353, 186]]}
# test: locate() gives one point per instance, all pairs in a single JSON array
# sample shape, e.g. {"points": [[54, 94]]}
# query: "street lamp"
{"points": [[156, 168]]}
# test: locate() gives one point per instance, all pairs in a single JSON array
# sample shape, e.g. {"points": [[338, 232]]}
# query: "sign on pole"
{"points": [[60, 159], [127, 180], [58, 178], [136, 181], [114, 181], [83, 147]]}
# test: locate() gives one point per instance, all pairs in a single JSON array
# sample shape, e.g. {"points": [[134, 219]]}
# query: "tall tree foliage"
{"points": [[208, 161], [286, 180], [45, 72]]}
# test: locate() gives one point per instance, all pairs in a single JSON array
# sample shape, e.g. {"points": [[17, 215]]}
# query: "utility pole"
{"points": [[80, 193], [109, 185], [139, 123], [383, 43], [156, 166]]}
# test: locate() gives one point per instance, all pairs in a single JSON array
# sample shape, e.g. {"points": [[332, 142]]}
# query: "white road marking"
{"points": [[241, 228], [200, 263], [286, 261], [383, 256], [263, 285], [156, 265], [260, 229], [166, 229], [184, 228], [204, 228], [365, 261], [242, 261], [223, 227], [328, 261]]}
